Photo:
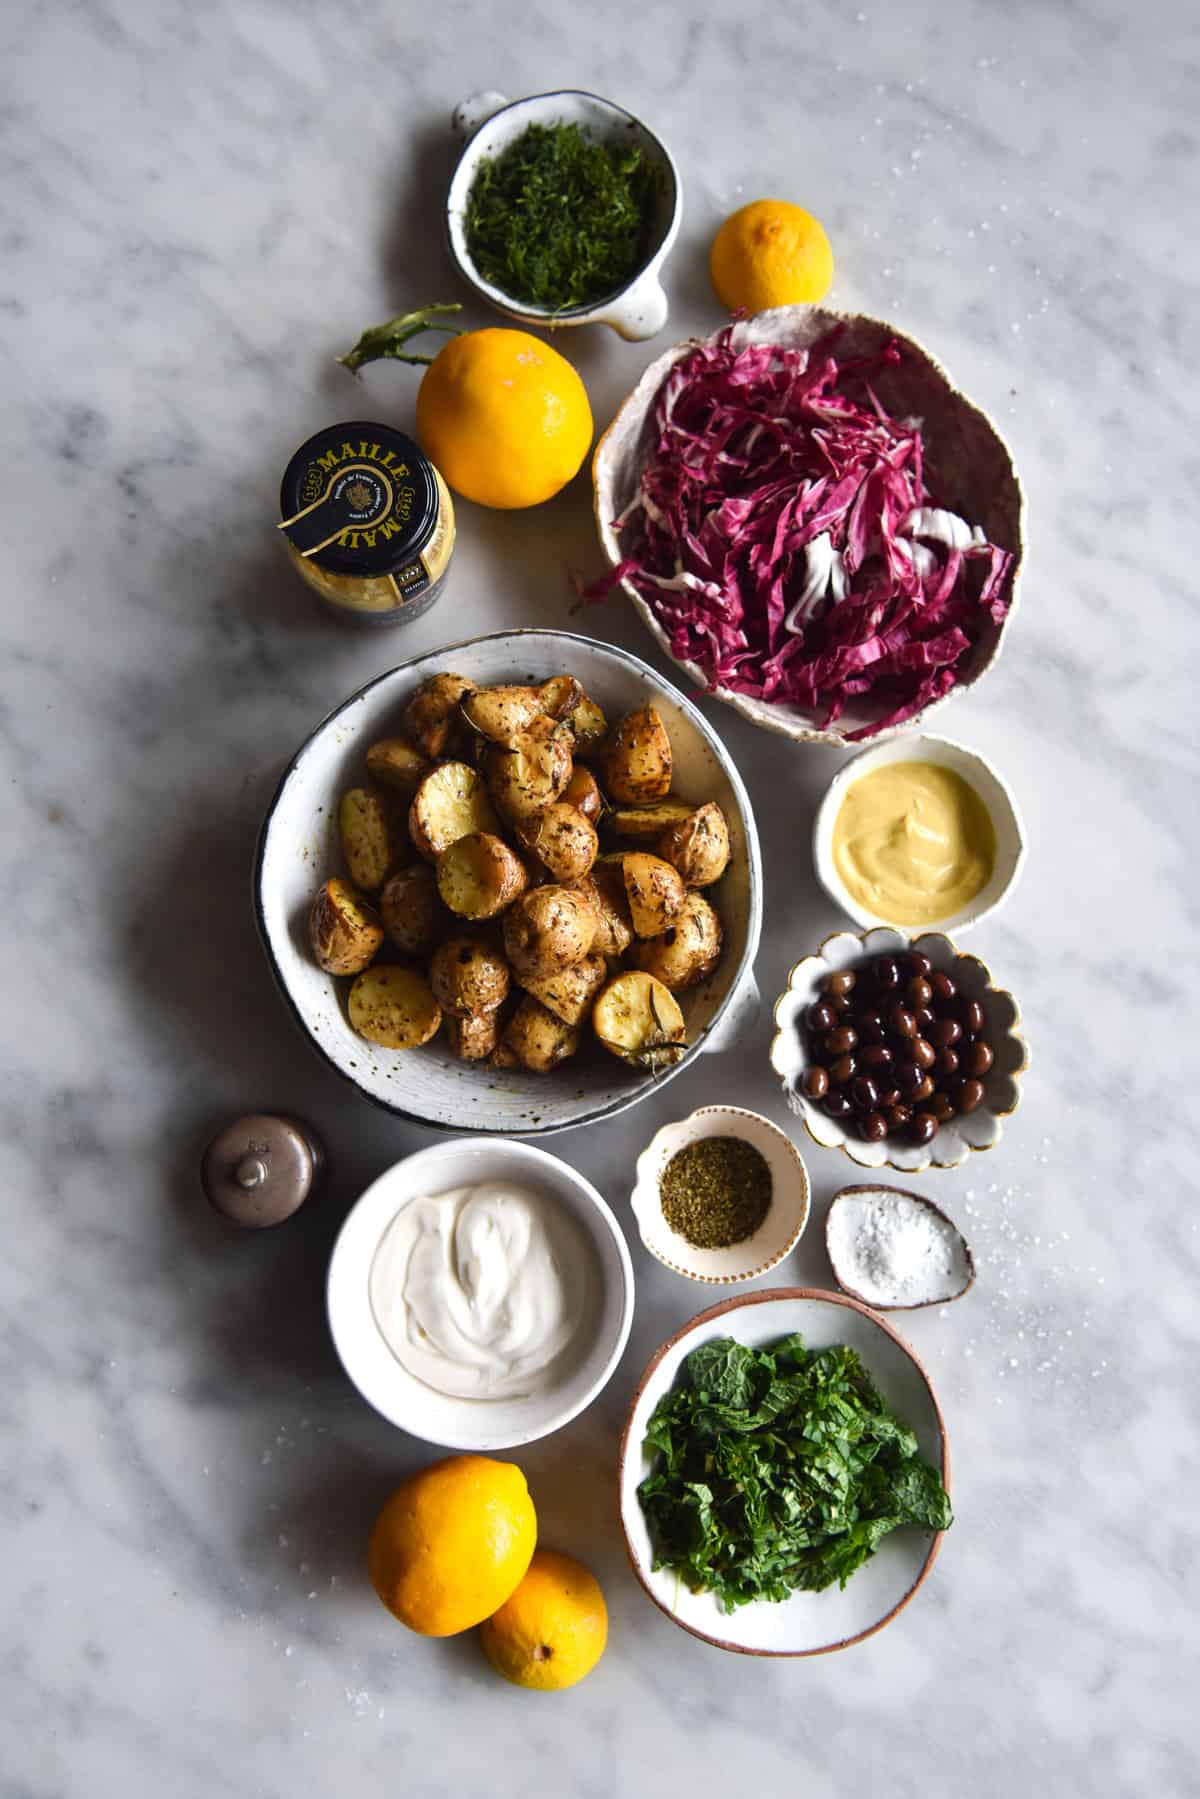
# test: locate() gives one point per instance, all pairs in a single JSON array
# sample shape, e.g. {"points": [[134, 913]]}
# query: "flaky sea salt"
{"points": [[892, 1249]]}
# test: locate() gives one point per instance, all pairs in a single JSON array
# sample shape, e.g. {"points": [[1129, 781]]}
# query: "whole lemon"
{"points": [[553, 1629], [452, 1543], [505, 418], [770, 253]]}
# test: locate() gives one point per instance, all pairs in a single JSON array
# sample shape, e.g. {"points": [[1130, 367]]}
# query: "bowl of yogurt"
{"points": [[480, 1294]]}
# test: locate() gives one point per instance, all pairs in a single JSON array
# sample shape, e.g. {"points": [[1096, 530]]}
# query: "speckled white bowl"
{"points": [[979, 773], [780, 1230], [956, 1140]]}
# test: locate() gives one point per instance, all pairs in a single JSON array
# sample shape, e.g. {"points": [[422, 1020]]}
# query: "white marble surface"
{"points": [[201, 206]]}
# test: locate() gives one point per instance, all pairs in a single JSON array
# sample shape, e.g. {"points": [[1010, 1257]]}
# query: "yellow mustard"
{"points": [[913, 843]]}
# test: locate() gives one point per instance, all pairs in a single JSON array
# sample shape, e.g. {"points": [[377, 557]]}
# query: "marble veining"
{"points": [[201, 207]]}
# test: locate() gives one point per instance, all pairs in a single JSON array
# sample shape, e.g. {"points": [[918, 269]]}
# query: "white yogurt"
{"points": [[479, 1292]]}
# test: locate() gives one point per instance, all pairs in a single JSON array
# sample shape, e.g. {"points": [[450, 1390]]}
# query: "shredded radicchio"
{"points": [[785, 539]]}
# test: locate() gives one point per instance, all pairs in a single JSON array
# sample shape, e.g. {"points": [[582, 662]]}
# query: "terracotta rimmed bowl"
{"points": [[776, 1236], [972, 472], [807, 1623], [298, 849], [956, 1140]]}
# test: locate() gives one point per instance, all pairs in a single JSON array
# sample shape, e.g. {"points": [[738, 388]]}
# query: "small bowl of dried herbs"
{"points": [[721, 1196], [562, 210]]}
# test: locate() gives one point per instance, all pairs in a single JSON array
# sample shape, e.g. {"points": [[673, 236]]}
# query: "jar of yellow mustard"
{"points": [[368, 523]]}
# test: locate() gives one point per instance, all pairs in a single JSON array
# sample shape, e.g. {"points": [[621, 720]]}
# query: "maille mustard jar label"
{"points": [[368, 522]]}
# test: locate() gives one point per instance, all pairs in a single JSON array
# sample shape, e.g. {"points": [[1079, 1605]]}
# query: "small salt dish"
{"points": [[776, 1236], [896, 1251]]}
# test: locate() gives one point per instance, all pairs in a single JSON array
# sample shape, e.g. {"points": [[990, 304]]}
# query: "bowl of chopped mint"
{"points": [[562, 210], [784, 1474]]}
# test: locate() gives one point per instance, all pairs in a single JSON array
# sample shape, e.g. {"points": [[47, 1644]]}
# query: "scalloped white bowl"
{"points": [[956, 1140]]}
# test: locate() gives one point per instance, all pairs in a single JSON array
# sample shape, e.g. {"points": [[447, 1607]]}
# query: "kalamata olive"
{"points": [[942, 1106], [923, 1089], [841, 1002], [843, 1069], [918, 993], [924, 1016], [864, 1094], [968, 1095], [836, 1104], [843, 981], [945, 1032], [923, 1127], [820, 1016], [887, 973], [944, 988], [815, 1082], [870, 1027], [908, 1077], [840, 1040], [917, 965], [874, 1127], [978, 1060], [946, 1063], [889, 1096], [901, 1023], [972, 1016], [876, 1056], [897, 1117], [922, 1052]]}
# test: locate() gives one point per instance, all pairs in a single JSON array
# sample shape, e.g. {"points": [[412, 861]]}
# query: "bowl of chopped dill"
{"points": [[562, 211]]}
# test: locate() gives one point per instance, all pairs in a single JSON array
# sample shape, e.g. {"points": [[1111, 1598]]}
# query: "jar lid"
{"points": [[260, 1170], [359, 499]]}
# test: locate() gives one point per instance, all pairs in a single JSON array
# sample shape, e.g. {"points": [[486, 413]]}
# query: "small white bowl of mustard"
{"points": [[921, 832]]}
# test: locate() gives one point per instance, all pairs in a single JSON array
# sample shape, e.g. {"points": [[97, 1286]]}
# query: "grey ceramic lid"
{"points": [[260, 1169]]}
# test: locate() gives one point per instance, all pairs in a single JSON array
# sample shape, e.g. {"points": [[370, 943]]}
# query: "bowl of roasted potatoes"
{"points": [[512, 885]]}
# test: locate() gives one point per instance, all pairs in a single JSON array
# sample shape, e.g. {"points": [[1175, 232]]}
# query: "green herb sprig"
{"points": [[390, 339], [559, 219], [779, 1470]]}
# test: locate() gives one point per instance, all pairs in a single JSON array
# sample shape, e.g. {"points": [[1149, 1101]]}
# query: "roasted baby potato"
{"points": [[451, 802], [589, 727], [397, 766], [604, 889], [569, 994], [646, 824], [637, 759], [527, 777], [583, 792], [503, 713], [536, 1039], [409, 908], [655, 892], [479, 875], [698, 846], [468, 976], [432, 714], [562, 839], [561, 694], [549, 929], [688, 950], [394, 1007], [344, 929], [473, 1039], [639, 1020], [372, 834]]}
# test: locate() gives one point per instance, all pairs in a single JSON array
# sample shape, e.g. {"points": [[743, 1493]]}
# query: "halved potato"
{"points": [[562, 839], [561, 694], [468, 976], [646, 824], [479, 875], [473, 1039], [638, 1019], [372, 834], [397, 766], [604, 889], [344, 928], [395, 1007], [409, 908], [583, 792], [432, 714], [637, 759], [450, 803], [688, 950], [569, 994], [503, 713], [549, 929], [527, 777], [589, 727], [698, 846], [536, 1038], [655, 892]]}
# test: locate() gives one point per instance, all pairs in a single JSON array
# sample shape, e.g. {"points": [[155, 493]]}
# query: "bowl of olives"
{"points": [[900, 1051]]}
